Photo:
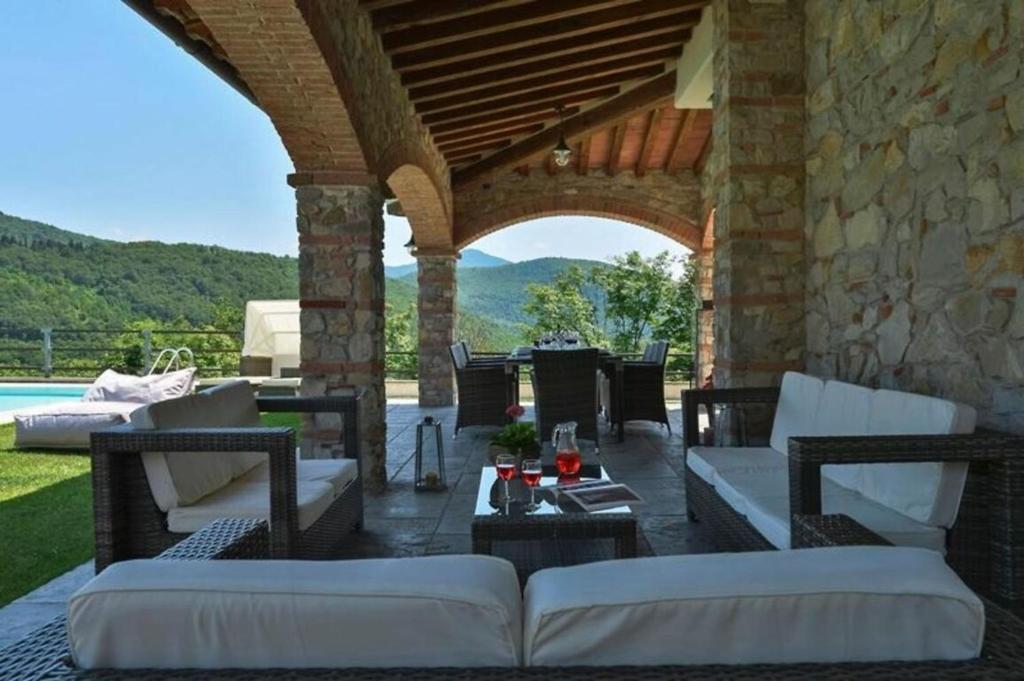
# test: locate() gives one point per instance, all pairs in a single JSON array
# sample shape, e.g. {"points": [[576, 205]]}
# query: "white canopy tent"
{"points": [[272, 330]]}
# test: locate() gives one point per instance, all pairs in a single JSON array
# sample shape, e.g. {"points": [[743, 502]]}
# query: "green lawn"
{"points": [[46, 512]]}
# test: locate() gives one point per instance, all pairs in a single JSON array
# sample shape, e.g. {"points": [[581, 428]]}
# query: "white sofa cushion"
{"points": [[704, 461], [844, 604], [111, 386], [68, 425], [182, 478], [250, 500], [460, 611], [927, 492], [795, 413], [339, 473], [844, 410]]}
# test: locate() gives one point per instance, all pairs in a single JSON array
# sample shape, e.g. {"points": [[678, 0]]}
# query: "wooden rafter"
{"points": [[702, 157], [583, 164], [374, 5], [456, 131], [497, 21], [675, 156], [618, 136], [530, 37], [650, 135], [495, 99], [497, 135], [610, 112], [515, 106], [479, 148], [394, 18], [437, 67], [454, 162]]}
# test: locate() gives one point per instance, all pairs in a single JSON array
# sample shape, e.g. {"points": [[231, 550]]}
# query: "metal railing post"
{"points": [[47, 352], [147, 350]]}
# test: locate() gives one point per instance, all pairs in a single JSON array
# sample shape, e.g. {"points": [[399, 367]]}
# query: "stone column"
{"points": [[705, 297], [341, 291], [436, 279], [758, 190]]}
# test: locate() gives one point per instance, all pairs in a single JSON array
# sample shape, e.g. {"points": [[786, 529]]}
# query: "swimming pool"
{"points": [[15, 396]]}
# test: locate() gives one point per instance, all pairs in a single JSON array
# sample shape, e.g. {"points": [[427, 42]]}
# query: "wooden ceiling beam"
{"points": [[536, 108], [610, 112], [675, 155], [650, 135], [620, 41], [549, 86], [459, 133], [531, 38], [550, 98], [498, 135], [375, 5], [394, 18], [441, 97], [479, 148], [705, 151], [618, 136], [539, 15], [583, 163]]}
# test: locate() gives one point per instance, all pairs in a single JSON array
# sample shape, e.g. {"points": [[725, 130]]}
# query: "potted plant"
{"points": [[518, 438]]}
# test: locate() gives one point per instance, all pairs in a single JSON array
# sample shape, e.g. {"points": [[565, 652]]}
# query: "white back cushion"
{"points": [[844, 410], [459, 611], [798, 404], [927, 492], [844, 604], [114, 387], [182, 478]]}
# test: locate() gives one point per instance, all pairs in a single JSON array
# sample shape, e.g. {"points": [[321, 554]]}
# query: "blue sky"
{"points": [[107, 128]]}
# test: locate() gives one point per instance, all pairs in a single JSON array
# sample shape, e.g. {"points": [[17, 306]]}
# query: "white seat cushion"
{"points": [[111, 386], [250, 500], [338, 473], [68, 425], [704, 461], [460, 611], [763, 498], [844, 410], [182, 478], [844, 604], [796, 410], [927, 492]]}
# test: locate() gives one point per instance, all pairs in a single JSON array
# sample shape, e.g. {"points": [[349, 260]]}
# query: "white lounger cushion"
{"points": [[798, 404], [339, 473], [68, 425], [250, 500], [705, 461], [844, 410], [845, 604], [114, 387], [460, 611]]}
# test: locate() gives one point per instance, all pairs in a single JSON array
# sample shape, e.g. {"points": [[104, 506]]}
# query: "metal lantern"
{"points": [[432, 481]]}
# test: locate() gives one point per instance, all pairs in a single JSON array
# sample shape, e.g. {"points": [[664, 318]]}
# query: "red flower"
{"points": [[514, 411]]}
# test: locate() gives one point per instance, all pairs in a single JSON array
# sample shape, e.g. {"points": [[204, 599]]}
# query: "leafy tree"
{"points": [[563, 306], [400, 336]]}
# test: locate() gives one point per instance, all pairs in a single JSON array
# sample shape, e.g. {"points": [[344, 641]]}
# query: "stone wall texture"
{"points": [[666, 203], [436, 305], [757, 188], [915, 196], [341, 295]]}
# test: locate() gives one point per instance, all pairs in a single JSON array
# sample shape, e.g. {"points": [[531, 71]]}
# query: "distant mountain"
{"points": [[471, 257], [26, 232]]}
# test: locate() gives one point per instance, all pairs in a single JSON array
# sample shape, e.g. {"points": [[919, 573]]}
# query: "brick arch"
{"points": [[423, 204], [673, 226]]}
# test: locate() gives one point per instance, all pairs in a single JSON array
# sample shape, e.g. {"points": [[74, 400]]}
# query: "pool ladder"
{"points": [[172, 359]]}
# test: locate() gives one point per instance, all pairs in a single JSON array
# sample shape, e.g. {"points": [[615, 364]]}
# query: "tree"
{"points": [[401, 336], [563, 305]]}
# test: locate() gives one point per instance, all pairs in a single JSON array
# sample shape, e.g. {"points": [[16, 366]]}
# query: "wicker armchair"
{"points": [[481, 390], [644, 387], [129, 524], [565, 389], [479, 360]]}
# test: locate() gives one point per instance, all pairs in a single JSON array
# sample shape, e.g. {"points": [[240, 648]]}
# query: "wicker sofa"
{"points": [[46, 654], [182, 463], [909, 467]]}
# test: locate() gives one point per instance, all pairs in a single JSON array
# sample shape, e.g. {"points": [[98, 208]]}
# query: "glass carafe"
{"points": [[567, 452]]}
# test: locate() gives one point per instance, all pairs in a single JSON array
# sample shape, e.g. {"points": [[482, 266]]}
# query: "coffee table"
{"points": [[557, 533]]}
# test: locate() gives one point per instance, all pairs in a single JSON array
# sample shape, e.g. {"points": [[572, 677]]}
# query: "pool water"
{"points": [[21, 396]]}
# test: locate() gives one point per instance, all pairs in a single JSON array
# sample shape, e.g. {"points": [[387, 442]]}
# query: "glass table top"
{"points": [[490, 497]]}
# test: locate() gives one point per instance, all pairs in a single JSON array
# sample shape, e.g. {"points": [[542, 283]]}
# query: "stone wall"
{"points": [[757, 189], [666, 203], [341, 295], [436, 305], [915, 196]]}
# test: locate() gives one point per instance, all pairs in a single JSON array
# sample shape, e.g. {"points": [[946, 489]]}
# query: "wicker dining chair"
{"points": [[564, 388], [476, 360], [644, 386], [481, 391]]}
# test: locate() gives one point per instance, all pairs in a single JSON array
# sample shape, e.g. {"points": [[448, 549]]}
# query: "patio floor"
{"points": [[401, 522]]}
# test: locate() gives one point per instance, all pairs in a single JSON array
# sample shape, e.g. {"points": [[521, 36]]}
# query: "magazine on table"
{"points": [[598, 495]]}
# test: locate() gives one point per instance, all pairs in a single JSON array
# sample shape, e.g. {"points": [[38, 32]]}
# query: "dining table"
{"points": [[608, 362]]}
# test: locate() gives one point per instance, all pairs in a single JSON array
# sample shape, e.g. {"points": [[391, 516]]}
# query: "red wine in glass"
{"points": [[531, 478], [506, 471], [505, 465], [532, 470]]}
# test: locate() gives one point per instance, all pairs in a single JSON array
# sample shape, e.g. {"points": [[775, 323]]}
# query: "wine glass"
{"points": [[531, 472], [505, 464]]}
